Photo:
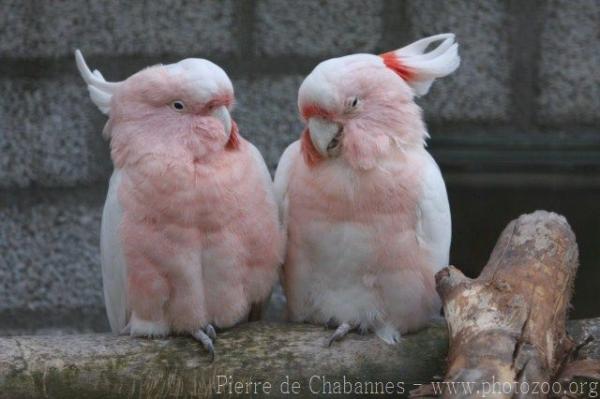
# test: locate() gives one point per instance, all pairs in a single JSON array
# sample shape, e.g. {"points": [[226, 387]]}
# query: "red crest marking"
{"points": [[393, 62]]}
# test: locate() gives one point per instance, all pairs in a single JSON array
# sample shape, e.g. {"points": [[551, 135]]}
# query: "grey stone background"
{"points": [[517, 127]]}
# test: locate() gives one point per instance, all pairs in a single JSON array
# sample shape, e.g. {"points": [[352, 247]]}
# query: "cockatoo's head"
{"points": [[175, 110], [360, 106]]}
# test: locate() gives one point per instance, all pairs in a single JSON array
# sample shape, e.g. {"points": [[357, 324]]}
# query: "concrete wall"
{"points": [[529, 77]]}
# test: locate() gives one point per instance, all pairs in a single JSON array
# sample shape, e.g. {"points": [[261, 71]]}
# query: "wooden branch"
{"points": [[101, 365], [508, 325], [97, 365]]}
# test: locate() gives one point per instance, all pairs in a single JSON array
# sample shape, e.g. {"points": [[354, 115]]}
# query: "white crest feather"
{"points": [[428, 66], [100, 90]]}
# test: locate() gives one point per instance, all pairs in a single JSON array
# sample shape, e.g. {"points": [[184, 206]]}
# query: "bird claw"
{"points": [[210, 331], [342, 330], [206, 339]]}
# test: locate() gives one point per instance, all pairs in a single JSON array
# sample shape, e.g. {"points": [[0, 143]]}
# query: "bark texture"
{"points": [[509, 324], [105, 366]]}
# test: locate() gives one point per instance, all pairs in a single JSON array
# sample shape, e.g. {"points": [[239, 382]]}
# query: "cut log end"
{"points": [[448, 280]]}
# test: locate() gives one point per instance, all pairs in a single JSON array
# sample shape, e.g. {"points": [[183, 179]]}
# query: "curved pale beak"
{"points": [[325, 135], [222, 114]]}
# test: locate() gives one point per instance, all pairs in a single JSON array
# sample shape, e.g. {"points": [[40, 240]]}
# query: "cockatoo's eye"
{"points": [[178, 105], [352, 103]]}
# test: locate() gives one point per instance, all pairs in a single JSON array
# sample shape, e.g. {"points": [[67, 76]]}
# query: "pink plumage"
{"points": [[190, 234], [364, 204]]}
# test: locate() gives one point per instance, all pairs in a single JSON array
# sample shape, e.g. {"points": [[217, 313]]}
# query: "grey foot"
{"points": [[206, 337], [342, 330], [210, 331]]}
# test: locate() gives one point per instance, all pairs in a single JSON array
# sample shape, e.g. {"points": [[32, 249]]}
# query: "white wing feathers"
{"points": [[100, 90], [282, 179], [114, 271], [260, 162], [434, 228], [428, 66]]}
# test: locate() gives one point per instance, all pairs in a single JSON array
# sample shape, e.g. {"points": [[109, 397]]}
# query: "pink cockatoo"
{"points": [[363, 202], [191, 238]]}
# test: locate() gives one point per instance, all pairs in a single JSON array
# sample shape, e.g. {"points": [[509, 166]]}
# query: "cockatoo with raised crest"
{"points": [[191, 238], [364, 204]]}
